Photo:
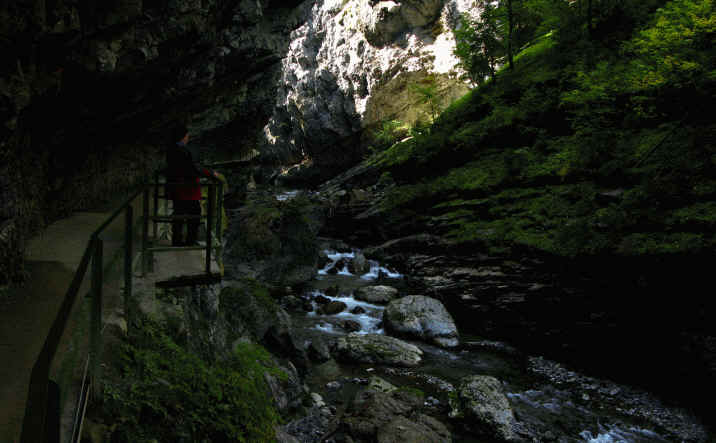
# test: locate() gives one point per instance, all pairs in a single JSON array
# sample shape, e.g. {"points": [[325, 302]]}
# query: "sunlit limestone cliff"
{"points": [[352, 65]]}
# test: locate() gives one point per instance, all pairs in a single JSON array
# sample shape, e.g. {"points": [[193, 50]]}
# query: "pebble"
{"points": [[431, 401], [333, 385], [317, 399]]}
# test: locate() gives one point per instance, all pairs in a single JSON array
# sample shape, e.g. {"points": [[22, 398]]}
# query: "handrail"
{"points": [[34, 428], [215, 193], [114, 215]]}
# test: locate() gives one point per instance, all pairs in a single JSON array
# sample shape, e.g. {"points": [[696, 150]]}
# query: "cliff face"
{"points": [[88, 90], [350, 66]]}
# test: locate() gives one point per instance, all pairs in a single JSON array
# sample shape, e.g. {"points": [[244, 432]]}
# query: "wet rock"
{"points": [[288, 391], [283, 437], [322, 300], [372, 410], [482, 407], [420, 429], [317, 400], [333, 385], [378, 384], [391, 417], [421, 317], [351, 326], [307, 306], [318, 351], [432, 401], [340, 264], [310, 428], [291, 302], [374, 348], [358, 310], [274, 242], [376, 294], [333, 307], [327, 370], [332, 291], [359, 265], [323, 260]]}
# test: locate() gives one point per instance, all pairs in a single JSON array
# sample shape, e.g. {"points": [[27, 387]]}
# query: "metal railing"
{"points": [[213, 217], [37, 414]]}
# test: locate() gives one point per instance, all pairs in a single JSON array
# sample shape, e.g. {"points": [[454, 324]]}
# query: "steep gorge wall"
{"points": [[89, 89], [350, 66]]}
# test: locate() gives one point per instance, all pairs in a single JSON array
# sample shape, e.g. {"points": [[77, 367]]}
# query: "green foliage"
{"points": [[389, 132], [427, 92], [533, 159], [677, 48], [477, 45], [168, 394]]}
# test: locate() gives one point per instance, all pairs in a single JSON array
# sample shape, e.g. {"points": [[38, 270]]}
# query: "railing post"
{"points": [[96, 318], [156, 205], [128, 243], [218, 253], [145, 230], [209, 225], [219, 218]]}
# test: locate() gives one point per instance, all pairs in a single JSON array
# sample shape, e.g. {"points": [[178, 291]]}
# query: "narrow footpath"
{"points": [[27, 313]]}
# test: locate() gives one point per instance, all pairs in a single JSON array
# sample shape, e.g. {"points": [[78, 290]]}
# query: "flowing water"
{"points": [[551, 402]]}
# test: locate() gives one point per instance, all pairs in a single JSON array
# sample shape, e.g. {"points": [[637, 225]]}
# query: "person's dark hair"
{"points": [[178, 132]]}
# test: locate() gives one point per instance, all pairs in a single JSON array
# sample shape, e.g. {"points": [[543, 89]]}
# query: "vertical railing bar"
{"points": [[77, 423], [145, 229], [219, 218], [128, 252], [218, 253], [96, 318], [156, 205], [209, 225]]}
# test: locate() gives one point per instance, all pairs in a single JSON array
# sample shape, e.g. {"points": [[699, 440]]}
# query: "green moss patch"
{"points": [[165, 393]]}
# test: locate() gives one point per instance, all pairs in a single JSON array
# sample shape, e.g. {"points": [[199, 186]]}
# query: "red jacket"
{"points": [[181, 169]]}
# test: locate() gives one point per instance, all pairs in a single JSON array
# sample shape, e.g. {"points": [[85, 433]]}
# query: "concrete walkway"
{"points": [[27, 313]]}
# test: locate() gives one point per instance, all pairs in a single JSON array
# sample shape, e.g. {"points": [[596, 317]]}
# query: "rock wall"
{"points": [[89, 89], [350, 66]]}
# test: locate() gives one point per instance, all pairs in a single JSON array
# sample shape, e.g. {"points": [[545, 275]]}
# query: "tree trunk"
{"points": [[510, 27]]}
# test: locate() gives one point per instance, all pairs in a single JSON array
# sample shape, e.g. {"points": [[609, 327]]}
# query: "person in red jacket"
{"points": [[182, 169]]}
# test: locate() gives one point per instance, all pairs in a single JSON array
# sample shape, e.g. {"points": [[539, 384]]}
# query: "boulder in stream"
{"points": [[483, 408], [392, 417], [333, 307], [359, 265], [332, 291], [318, 351], [351, 326], [322, 300], [420, 429], [376, 294], [421, 317], [375, 348]]}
